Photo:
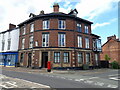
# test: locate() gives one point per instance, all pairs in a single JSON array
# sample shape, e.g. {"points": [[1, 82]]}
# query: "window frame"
{"points": [[60, 42], [86, 28], [80, 57], [79, 38], [87, 42], [46, 24], [23, 43], [31, 27], [46, 36], [62, 25], [88, 58], [66, 56], [58, 57], [31, 40], [24, 30], [79, 27]]}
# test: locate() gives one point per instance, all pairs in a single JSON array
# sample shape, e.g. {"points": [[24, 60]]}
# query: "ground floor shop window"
{"points": [[66, 57], [80, 58], [57, 57], [87, 58], [1, 60]]}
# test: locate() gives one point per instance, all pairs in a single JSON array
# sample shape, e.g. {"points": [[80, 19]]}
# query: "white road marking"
{"points": [[93, 77], [114, 78], [114, 75], [112, 86], [13, 83], [89, 82], [34, 83], [99, 83]]}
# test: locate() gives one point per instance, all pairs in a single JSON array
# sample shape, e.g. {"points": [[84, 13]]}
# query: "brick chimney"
{"points": [[55, 7], [11, 26], [111, 37]]}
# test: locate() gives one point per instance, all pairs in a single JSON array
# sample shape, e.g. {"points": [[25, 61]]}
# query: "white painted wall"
{"points": [[14, 34]]}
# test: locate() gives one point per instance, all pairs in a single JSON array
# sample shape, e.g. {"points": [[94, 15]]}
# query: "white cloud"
{"points": [[17, 11], [93, 8], [103, 24], [100, 25]]}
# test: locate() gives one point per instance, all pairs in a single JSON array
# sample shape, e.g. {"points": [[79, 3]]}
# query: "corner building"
{"points": [[64, 39]]}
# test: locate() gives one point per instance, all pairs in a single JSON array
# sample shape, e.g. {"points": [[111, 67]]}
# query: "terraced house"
{"points": [[9, 41], [64, 39]]}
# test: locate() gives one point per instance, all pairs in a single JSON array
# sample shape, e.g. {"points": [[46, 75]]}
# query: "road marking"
{"points": [[112, 86], [34, 83], [89, 82], [13, 83], [114, 78], [99, 83], [93, 77], [114, 75]]}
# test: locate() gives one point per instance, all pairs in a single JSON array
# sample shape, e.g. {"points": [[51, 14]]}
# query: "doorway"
{"points": [[29, 59], [44, 59]]}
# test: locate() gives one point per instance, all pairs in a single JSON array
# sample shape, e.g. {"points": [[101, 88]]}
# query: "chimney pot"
{"points": [[56, 7]]}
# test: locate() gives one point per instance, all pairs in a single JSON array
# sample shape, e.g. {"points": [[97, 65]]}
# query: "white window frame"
{"points": [[56, 57], [80, 58], [62, 25], [31, 42], [66, 57], [87, 43], [60, 38], [86, 29], [31, 27], [88, 58], [23, 43], [80, 41], [9, 40], [24, 30], [46, 24], [80, 27], [46, 37]]}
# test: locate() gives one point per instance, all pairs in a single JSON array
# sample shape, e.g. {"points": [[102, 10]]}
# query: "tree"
{"points": [[107, 57]]}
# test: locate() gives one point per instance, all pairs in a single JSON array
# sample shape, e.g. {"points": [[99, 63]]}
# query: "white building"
{"points": [[9, 41]]}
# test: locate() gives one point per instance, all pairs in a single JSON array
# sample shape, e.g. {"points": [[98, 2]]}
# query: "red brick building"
{"points": [[64, 39], [112, 49]]}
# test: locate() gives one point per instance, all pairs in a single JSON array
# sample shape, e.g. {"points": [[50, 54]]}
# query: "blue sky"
{"points": [[103, 13]]}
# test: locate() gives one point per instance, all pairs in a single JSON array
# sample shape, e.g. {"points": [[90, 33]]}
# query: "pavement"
{"points": [[101, 78]]}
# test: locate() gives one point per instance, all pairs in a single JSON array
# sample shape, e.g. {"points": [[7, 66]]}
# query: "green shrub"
{"points": [[115, 65]]}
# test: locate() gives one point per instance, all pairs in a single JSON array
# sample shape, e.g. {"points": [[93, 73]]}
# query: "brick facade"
{"points": [[112, 49], [71, 41]]}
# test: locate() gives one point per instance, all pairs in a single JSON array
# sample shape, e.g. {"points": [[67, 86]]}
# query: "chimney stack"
{"points": [[111, 37], [42, 12], [56, 7], [11, 26]]}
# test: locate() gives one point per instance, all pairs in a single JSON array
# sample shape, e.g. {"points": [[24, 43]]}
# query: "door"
{"points": [[29, 59], [44, 59]]}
